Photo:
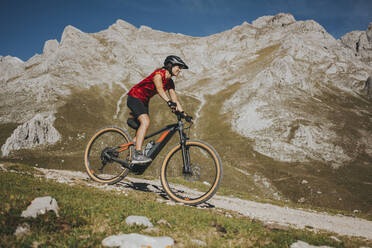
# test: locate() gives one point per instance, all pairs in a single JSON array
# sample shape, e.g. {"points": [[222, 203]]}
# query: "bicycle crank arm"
{"points": [[124, 163]]}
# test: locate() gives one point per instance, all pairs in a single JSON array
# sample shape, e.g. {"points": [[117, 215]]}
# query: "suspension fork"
{"points": [[185, 150]]}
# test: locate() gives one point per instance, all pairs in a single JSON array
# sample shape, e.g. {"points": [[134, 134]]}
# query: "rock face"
{"points": [[284, 88], [368, 87], [361, 43], [10, 67], [37, 131]]}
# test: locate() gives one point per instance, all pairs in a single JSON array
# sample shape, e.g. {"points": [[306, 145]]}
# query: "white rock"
{"points": [[151, 230], [171, 203], [41, 205], [206, 183], [138, 220], [301, 200], [135, 240], [199, 243], [335, 238], [22, 229], [302, 244]]}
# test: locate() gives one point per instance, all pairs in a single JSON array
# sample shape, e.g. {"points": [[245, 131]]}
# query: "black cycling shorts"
{"points": [[137, 106]]}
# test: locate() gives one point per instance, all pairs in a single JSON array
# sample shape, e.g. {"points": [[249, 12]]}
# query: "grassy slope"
{"points": [[88, 215]]}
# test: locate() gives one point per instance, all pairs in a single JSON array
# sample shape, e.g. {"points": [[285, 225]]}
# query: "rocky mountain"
{"points": [[361, 43], [281, 100]]}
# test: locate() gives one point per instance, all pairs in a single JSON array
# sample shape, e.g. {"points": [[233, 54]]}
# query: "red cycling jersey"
{"points": [[146, 89]]}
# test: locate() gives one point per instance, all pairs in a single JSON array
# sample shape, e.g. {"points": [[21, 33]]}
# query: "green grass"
{"points": [[88, 215]]}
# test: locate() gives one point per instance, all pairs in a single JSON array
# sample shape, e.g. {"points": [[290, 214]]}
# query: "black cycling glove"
{"points": [[188, 118], [172, 105]]}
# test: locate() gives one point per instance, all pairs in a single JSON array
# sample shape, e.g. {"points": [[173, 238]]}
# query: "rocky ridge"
{"points": [[303, 56], [361, 43]]}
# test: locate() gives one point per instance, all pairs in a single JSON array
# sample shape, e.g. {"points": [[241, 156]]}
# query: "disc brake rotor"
{"points": [[194, 175]]}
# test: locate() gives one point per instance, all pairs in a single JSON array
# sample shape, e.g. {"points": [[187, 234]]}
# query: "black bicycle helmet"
{"points": [[175, 60]]}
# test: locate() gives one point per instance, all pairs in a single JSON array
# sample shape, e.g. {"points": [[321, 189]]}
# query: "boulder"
{"points": [[138, 220], [41, 205], [135, 240], [302, 244]]}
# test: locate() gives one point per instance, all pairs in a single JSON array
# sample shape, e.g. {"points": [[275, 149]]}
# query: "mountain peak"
{"points": [[69, 33], [124, 25], [280, 19], [50, 46], [145, 28]]}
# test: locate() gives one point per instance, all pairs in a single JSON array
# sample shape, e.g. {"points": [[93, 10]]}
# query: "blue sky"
{"points": [[26, 24]]}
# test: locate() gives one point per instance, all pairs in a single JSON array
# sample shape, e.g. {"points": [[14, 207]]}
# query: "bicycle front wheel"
{"points": [[105, 146], [201, 183]]}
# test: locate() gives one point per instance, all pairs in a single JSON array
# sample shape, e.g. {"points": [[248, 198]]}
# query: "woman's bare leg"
{"points": [[144, 119]]}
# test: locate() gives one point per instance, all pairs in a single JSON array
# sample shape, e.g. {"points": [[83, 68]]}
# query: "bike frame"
{"points": [[167, 133]]}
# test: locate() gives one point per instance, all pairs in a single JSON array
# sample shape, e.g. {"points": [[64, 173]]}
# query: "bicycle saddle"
{"points": [[133, 123]]}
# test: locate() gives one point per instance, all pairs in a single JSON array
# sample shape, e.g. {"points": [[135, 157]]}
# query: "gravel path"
{"points": [[267, 213]]}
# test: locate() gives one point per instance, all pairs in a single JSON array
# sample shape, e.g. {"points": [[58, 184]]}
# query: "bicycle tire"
{"points": [[91, 161], [175, 190]]}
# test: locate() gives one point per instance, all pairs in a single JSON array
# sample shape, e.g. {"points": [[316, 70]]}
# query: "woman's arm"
{"points": [[159, 87], [174, 98]]}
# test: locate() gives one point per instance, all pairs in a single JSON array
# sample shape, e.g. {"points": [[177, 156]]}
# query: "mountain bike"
{"points": [[190, 173]]}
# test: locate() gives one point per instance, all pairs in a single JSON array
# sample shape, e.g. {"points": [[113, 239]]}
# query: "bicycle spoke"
{"points": [[102, 152], [200, 182]]}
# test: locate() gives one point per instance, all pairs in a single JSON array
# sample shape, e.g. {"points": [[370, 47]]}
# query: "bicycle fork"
{"points": [[185, 151]]}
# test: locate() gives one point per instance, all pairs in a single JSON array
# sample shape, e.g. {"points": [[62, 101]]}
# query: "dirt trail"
{"points": [[267, 213]]}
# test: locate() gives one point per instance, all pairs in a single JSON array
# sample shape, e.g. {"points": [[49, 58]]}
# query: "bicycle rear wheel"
{"points": [[203, 181], [102, 148]]}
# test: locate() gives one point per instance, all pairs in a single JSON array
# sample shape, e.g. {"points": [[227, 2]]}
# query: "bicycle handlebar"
{"points": [[181, 115]]}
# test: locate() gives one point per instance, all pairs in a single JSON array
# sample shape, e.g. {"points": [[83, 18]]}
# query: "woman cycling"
{"points": [[139, 96]]}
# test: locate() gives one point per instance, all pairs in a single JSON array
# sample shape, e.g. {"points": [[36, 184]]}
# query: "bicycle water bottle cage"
{"points": [[133, 123]]}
